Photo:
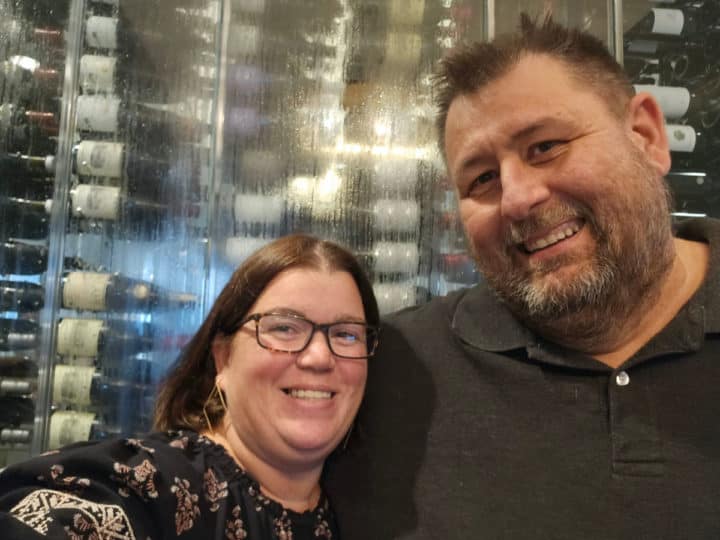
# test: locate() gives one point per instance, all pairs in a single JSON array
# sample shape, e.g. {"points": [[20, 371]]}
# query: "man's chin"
{"points": [[557, 293]]}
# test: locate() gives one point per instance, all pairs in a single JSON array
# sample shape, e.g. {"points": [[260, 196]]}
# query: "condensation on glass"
{"points": [[149, 148]]}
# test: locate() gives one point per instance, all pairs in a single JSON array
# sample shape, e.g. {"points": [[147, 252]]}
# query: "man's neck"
{"points": [[685, 277]]}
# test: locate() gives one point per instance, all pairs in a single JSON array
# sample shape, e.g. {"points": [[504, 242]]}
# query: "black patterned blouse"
{"points": [[167, 485]]}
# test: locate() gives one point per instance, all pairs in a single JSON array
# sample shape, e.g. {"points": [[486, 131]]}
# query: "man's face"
{"points": [[561, 207]]}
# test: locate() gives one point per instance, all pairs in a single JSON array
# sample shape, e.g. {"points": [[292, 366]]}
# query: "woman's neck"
{"points": [[296, 489]]}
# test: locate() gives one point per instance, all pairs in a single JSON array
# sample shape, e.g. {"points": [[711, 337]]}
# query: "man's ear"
{"points": [[647, 125]]}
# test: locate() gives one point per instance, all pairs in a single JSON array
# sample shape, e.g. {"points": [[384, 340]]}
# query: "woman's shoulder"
{"points": [[132, 481]]}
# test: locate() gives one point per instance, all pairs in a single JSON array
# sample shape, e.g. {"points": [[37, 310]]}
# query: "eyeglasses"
{"points": [[292, 334]]}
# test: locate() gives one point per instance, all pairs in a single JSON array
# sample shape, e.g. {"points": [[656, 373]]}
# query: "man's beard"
{"points": [[633, 251]]}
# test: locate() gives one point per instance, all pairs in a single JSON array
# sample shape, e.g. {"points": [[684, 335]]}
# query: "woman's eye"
{"points": [[282, 329], [346, 336]]}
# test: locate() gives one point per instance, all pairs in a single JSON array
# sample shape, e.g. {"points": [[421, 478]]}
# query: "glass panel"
{"points": [[590, 15], [184, 137], [328, 129], [116, 249], [670, 51], [32, 66]]}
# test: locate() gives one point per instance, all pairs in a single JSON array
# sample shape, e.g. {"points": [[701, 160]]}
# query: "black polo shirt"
{"points": [[473, 427]]}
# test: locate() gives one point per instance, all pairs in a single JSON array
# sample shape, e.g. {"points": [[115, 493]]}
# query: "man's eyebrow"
{"points": [[526, 131]]}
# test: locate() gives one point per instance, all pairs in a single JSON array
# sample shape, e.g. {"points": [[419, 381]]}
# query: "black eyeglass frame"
{"points": [[324, 328]]}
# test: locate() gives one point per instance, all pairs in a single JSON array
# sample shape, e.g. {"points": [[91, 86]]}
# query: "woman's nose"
{"points": [[317, 355]]}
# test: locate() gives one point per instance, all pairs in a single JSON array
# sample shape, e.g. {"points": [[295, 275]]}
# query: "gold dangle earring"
{"points": [[215, 390], [346, 439]]}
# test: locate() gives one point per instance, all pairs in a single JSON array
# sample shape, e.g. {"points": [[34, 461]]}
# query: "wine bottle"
{"points": [[55, 12], [84, 386], [171, 44], [18, 334], [642, 70], [16, 410], [689, 20], [24, 80], [21, 258], [396, 215], [267, 48], [17, 386], [393, 296], [97, 114], [67, 427], [680, 102], [396, 257], [116, 160], [101, 338], [98, 291], [101, 74], [20, 166], [15, 436], [20, 296], [18, 366], [692, 148], [679, 62], [111, 204], [33, 188], [23, 218], [26, 131]]}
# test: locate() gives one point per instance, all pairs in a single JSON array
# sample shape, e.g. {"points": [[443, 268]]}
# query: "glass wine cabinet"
{"points": [[146, 148]]}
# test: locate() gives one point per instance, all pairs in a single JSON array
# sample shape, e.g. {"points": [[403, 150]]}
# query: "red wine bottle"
{"points": [[23, 218], [20, 296], [18, 334]]}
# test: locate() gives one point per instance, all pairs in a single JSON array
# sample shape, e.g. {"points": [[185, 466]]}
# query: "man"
{"points": [[575, 392]]}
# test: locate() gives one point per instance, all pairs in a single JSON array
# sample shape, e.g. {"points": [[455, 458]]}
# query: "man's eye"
{"points": [[542, 148], [482, 179]]}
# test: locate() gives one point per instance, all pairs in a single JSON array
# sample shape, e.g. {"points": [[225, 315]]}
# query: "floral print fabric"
{"points": [[169, 485]]}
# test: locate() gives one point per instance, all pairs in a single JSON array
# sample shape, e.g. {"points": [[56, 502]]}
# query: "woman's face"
{"points": [[292, 408]]}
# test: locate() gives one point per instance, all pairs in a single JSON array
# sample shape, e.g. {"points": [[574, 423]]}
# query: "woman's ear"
{"points": [[221, 354], [647, 125]]}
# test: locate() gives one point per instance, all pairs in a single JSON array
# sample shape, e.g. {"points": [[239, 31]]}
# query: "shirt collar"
{"points": [[482, 321]]}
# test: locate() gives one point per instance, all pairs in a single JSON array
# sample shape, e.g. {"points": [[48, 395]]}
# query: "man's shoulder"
{"points": [[439, 308]]}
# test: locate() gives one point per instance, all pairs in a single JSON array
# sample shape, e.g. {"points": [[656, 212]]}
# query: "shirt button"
{"points": [[622, 378]]}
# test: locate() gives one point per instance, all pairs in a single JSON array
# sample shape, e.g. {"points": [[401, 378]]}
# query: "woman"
{"points": [[264, 392]]}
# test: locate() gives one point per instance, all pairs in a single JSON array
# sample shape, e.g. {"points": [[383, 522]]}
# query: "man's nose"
{"points": [[523, 188], [317, 355]]}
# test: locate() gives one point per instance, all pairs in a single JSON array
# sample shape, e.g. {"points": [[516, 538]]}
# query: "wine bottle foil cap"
{"points": [[14, 435], [21, 341], [396, 257], [15, 386]]}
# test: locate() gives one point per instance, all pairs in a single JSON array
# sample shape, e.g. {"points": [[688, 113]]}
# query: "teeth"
{"points": [[310, 394], [553, 238]]}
